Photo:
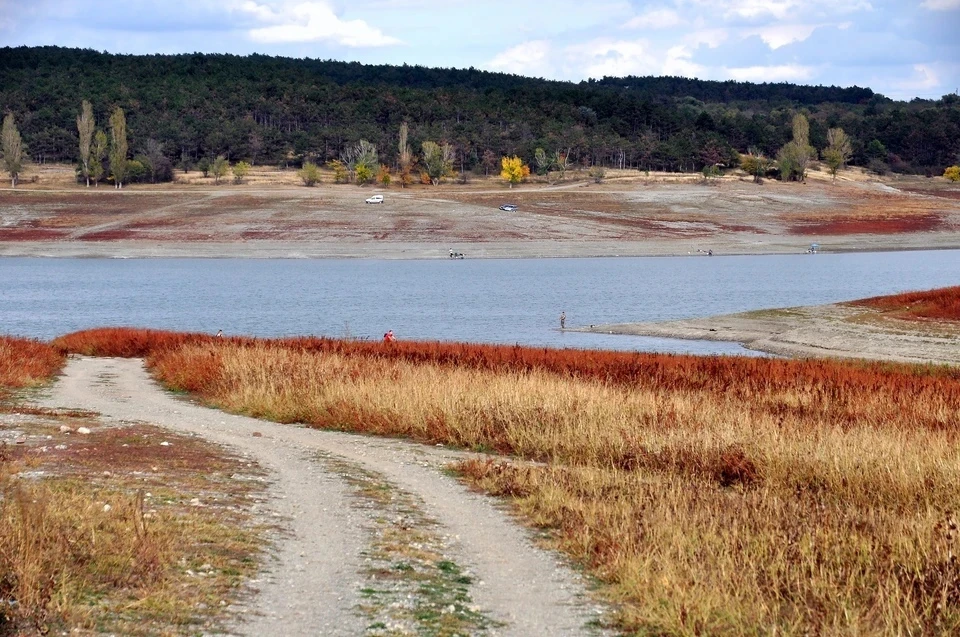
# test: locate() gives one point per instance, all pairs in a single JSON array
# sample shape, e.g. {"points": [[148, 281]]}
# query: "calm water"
{"points": [[496, 301]]}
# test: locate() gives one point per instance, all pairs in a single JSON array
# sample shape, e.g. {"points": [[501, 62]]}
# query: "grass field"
{"points": [[708, 495], [106, 531]]}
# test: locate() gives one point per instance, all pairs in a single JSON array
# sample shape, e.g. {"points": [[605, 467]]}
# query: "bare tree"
{"points": [[12, 149], [85, 126], [118, 146], [98, 151], [154, 154], [256, 145]]}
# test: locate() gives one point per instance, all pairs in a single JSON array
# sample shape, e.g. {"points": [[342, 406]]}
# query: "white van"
{"points": [[375, 199]]}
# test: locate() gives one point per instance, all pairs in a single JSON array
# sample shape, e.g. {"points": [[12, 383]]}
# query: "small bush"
{"points": [[952, 173]]}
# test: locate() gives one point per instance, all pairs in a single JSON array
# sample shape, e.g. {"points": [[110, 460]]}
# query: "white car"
{"points": [[375, 199]]}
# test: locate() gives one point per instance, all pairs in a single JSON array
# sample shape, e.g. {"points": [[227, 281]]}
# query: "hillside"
{"points": [[280, 110]]}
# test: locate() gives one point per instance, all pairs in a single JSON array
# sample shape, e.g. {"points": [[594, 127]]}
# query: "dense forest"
{"points": [[275, 110]]}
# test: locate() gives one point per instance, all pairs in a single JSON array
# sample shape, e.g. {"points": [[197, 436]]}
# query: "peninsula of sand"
{"points": [[892, 328], [631, 213]]}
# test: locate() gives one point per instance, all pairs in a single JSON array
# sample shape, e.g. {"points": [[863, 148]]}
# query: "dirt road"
{"points": [[320, 577]]}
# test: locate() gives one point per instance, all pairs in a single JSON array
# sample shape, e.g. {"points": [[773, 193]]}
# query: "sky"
{"points": [[902, 49]]}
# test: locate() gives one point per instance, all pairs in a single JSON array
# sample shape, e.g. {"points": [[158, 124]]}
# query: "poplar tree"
{"points": [[85, 126], [838, 150], [12, 149], [98, 151], [404, 157], [118, 146]]}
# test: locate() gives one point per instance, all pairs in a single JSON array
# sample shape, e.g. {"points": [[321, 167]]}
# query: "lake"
{"points": [[494, 301]]}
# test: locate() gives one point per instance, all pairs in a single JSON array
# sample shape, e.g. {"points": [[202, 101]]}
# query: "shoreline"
{"points": [[838, 330], [530, 249]]}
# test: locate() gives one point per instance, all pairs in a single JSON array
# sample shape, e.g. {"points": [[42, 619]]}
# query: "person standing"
{"points": [[563, 319]]}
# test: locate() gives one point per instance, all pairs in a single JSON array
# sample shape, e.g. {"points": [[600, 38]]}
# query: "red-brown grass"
{"points": [[843, 225], [124, 342], [938, 304], [26, 362]]}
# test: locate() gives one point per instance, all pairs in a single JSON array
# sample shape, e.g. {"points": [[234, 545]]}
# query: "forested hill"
{"points": [[270, 109]]}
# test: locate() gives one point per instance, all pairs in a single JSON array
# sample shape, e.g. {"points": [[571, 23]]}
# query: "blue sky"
{"points": [[902, 49]]}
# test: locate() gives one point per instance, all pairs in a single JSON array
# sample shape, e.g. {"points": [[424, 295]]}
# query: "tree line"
{"points": [[189, 110]]}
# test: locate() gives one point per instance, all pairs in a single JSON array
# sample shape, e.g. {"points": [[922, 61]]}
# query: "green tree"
{"points": [[838, 150], [219, 168], [118, 146], [597, 173], [204, 166], [437, 161], [362, 174], [309, 174], [362, 156], [543, 161], [240, 170], [12, 146], [98, 152], [952, 173], [755, 163], [513, 170], [85, 126], [795, 155]]}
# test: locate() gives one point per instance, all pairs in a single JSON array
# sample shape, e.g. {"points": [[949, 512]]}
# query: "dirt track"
{"points": [[314, 586], [629, 215]]}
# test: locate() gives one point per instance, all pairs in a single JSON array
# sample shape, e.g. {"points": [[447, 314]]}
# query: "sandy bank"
{"points": [[837, 330]]}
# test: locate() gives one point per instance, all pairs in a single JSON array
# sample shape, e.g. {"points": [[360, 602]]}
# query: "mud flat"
{"points": [[839, 330]]}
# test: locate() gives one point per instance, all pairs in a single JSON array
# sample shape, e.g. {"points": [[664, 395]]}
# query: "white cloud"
{"points": [[780, 35], [655, 19], [529, 58], [310, 22], [781, 73], [924, 78], [711, 37], [679, 62], [940, 5], [615, 58]]}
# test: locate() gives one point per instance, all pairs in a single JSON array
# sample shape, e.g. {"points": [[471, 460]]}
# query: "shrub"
{"points": [[309, 174], [952, 173]]}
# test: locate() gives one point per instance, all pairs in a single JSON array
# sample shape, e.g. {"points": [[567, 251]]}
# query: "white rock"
{"points": [[83, 430], [64, 429], [106, 507], [164, 444]]}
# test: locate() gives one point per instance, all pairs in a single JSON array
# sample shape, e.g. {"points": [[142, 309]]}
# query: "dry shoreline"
{"points": [[629, 215], [839, 330]]}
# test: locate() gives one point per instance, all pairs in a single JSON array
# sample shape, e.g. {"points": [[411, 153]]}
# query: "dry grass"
{"points": [[112, 531], [711, 495], [939, 304], [26, 363]]}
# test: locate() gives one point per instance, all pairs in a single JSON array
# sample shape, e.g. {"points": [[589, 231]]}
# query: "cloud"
{"points": [[616, 58], [655, 19], [310, 22], [940, 5], [680, 62], [924, 78], [781, 73], [528, 58], [780, 35]]}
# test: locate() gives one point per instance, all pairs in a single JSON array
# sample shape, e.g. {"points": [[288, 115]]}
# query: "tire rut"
{"points": [[313, 585]]}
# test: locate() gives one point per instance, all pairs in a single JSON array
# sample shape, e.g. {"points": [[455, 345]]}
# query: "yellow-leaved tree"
{"points": [[952, 173], [514, 170]]}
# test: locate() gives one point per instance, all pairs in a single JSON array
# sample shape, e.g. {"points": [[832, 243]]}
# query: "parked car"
{"points": [[375, 199], [509, 207]]}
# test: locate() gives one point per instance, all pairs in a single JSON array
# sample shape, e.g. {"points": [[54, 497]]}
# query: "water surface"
{"points": [[494, 301]]}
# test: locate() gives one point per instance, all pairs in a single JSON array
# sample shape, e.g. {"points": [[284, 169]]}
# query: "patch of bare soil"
{"points": [[629, 214]]}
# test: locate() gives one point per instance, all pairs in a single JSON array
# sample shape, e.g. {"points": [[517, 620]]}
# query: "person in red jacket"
{"points": [[388, 337]]}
